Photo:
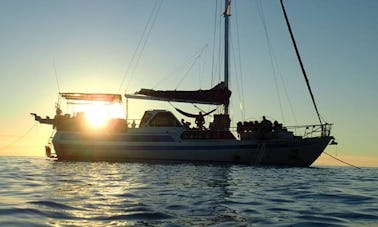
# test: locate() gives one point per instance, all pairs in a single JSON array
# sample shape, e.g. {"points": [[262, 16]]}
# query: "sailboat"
{"points": [[161, 137]]}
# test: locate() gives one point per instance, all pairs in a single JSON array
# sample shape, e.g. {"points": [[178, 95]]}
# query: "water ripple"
{"points": [[41, 192], [51, 204]]}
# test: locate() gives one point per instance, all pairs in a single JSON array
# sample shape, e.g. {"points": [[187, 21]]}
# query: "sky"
{"points": [[48, 47]]}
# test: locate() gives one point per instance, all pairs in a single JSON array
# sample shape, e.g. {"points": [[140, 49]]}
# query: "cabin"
{"points": [[159, 118]]}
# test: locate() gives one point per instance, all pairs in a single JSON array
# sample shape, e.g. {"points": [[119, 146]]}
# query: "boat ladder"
{"points": [[260, 154]]}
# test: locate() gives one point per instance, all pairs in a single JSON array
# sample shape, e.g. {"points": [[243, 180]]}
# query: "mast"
{"points": [[226, 14]]}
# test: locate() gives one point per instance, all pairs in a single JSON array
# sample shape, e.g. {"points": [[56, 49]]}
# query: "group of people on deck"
{"points": [[264, 126]]}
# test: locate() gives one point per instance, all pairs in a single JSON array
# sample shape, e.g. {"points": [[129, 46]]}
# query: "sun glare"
{"points": [[98, 114], [96, 119]]}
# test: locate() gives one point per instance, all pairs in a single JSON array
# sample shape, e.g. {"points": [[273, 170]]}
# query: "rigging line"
{"points": [[238, 82], [220, 48], [181, 66], [270, 50], [196, 57], [19, 138], [287, 94], [170, 103], [240, 61], [137, 49], [202, 66], [341, 160], [214, 40], [285, 90], [56, 75], [168, 76], [187, 72], [144, 43], [198, 108], [300, 60], [276, 64]]}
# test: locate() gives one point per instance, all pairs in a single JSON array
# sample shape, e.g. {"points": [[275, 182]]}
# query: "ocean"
{"points": [[35, 191]]}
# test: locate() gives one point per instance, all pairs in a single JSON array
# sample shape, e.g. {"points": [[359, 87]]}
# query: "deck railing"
{"points": [[307, 131], [133, 123]]}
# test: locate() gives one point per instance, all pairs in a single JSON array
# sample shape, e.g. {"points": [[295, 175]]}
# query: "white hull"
{"points": [[166, 145]]}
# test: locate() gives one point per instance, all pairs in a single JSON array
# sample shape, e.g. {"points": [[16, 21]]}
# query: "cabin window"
{"points": [[146, 117], [164, 119]]}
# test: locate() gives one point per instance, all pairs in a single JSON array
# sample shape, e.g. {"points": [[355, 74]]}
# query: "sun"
{"points": [[97, 118], [97, 115]]}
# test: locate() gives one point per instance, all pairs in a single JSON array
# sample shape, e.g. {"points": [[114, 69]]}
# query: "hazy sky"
{"points": [[90, 44]]}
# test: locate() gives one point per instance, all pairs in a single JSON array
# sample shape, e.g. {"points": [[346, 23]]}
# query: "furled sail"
{"points": [[218, 95]]}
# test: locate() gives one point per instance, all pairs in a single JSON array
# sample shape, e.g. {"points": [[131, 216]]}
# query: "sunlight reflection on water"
{"points": [[35, 191]]}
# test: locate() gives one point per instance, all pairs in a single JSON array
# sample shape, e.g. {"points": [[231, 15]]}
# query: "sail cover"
{"points": [[218, 95]]}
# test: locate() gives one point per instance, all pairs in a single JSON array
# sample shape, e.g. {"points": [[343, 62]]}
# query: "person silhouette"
{"points": [[200, 121]]}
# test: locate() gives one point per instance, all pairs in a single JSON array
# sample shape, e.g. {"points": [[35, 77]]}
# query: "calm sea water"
{"points": [[40, 192]]}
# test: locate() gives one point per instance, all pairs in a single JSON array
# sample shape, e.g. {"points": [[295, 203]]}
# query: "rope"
{"points": [[220, 48], [188, 71], [214, 42], [239, 82], [271, 56], [56, 76], [300, 60], [341, 160], [141, 44], [198, 108], [197, 57], [189, 61], [19, 138]]}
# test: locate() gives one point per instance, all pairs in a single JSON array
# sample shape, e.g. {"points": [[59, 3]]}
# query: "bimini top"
{"points": [[217, 95], [111, 98]]}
